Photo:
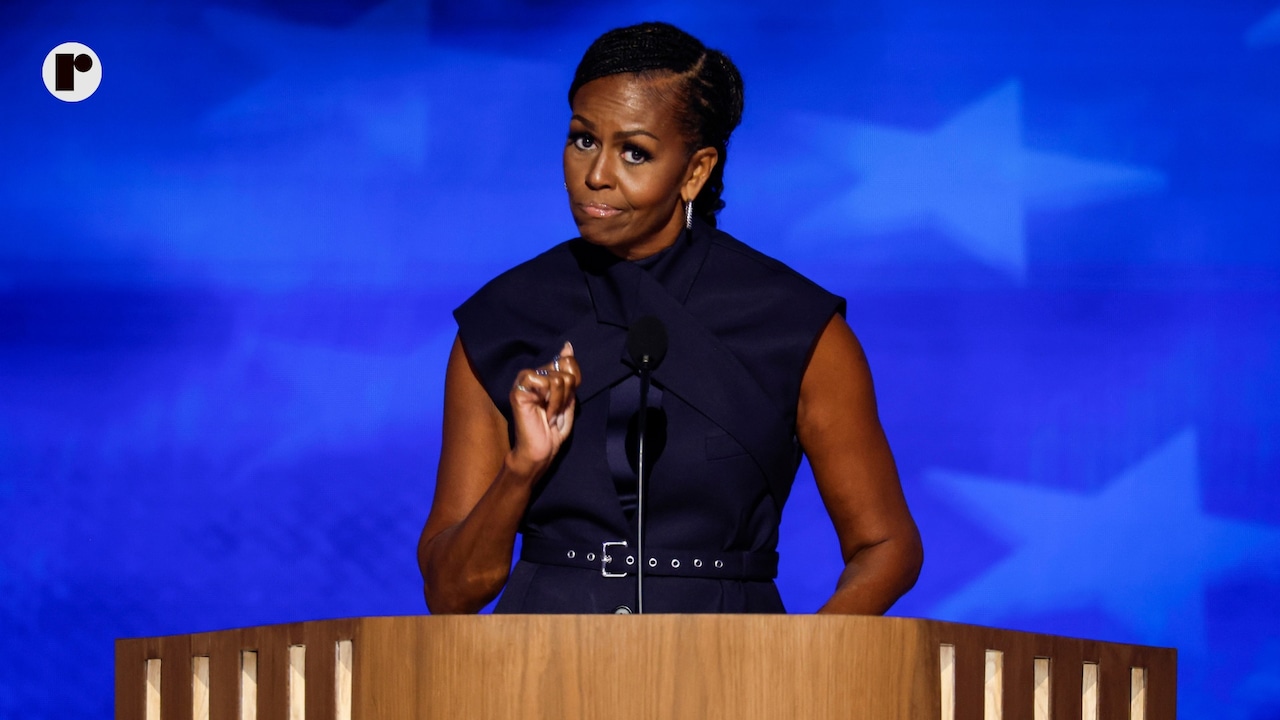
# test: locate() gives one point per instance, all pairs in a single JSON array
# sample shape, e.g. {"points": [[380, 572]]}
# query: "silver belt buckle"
{"points": [[606, 558]]}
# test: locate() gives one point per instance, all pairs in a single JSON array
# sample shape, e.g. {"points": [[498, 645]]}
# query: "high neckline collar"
{"points": [[615, 283]]}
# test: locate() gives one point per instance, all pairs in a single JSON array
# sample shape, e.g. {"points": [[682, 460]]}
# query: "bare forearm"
{"points": [[466, 565], [876, 576]]}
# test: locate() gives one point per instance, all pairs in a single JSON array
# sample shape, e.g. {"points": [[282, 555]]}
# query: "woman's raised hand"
{"points": [[542, 404]]}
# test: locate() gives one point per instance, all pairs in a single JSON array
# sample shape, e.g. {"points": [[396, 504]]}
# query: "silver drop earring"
{"points": [[688, 214]]}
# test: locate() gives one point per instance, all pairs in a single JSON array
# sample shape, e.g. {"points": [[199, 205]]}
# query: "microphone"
{"points": [[647, 346], [647, 342]]}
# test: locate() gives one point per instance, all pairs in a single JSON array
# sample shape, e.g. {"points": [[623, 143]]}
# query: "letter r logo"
{"points": [[72, 72]]}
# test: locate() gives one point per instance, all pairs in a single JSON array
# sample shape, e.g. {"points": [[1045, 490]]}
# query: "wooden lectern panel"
{"points": [[651, 666], [644, 667]]}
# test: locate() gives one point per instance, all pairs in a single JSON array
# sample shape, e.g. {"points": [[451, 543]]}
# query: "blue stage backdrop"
{"points": [[226, 280]]}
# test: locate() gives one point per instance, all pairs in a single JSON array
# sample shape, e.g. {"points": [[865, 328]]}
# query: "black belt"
{"points": [[616, 559]]}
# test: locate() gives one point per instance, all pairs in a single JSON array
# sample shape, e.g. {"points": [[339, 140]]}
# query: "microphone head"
{"points": [[647, 342]]}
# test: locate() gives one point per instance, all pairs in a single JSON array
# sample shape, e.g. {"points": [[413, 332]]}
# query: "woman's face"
{"points": [[628, 168]]}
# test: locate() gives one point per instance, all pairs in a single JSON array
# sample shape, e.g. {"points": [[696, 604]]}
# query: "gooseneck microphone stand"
{"points": [[647, 345], [645, 371]]}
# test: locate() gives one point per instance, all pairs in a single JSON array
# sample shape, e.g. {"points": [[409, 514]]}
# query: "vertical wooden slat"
{"points": [[248, 685], [1089, 686], [1162, 684], [223, 649], [970, 672], [993, 686], [947, 680], [1019, 677], [273, 671], [1043, 701], [175, 681], [154, 689], [1114, 664], [203, 645], [200, 687], [345, 657], [1137, 693], [320, 673], [297, 682], [1066, 680], [273, 674], [131, 680]]}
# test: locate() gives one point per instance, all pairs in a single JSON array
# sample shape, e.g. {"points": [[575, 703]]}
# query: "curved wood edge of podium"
{"points": [[652, 666]]}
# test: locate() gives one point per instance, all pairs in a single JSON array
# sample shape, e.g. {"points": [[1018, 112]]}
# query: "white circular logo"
{"points": [[72, 72]]}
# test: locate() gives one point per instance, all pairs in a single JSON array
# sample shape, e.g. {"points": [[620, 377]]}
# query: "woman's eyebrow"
{"points": [[620, 135], [623, 135]]}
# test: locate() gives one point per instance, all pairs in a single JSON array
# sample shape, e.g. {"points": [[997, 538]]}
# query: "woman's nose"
{"points": [[600, 174]]}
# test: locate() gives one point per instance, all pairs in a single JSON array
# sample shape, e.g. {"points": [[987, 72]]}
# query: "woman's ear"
{"points": [[698, 171]]}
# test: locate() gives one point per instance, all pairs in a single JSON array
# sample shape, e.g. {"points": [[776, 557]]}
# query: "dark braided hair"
{"points": [[707, 86]]}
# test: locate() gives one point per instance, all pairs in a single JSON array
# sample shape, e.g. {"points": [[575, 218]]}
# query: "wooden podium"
{"points": [[650, 666]]}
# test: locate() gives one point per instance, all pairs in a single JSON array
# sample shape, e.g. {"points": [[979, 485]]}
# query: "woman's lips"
{"points": [[600, 210]]}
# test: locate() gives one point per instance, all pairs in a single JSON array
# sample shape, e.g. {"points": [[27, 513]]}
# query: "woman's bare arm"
{"points": [[483, 484], [839, 428]]}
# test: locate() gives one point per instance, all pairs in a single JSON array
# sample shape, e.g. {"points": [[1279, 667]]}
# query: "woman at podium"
{"points": [[654, 381]]}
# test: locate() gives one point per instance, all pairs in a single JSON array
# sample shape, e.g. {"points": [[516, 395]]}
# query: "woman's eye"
{"points": [[635, 155], [582, 142]]}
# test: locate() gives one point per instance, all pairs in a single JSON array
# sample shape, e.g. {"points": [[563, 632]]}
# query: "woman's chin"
{"points": [[620, 238], [613, 246], [601, 234]]}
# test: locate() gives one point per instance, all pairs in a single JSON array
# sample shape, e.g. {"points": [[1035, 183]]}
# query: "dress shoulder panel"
{"points": [[768, 314], [518, 319]]}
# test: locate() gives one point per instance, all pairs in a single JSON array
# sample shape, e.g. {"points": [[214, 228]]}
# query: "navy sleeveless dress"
{"points": [[741, 327]]}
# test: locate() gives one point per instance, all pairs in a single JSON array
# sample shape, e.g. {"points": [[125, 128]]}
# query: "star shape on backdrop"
{"points": [[1141, 550], [320, 164], [368, 77], [972, 178], [1265, 32]]}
